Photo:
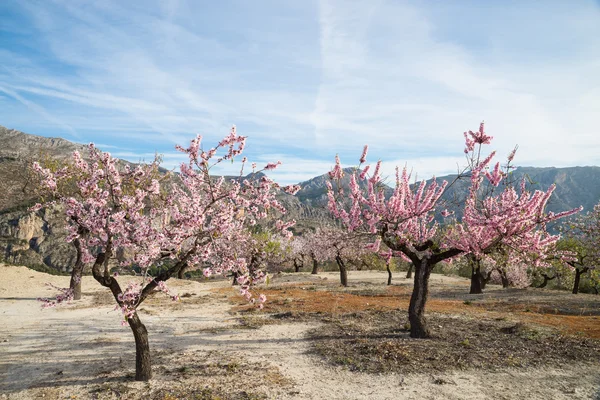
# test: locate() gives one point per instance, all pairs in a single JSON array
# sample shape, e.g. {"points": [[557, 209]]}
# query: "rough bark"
{"points": [[296, 266], [476, 279], [101, 273], [485, 278], [423, 264], [504, 279], [343, 271], [578, 273], [143, 364], [77, 272], [389, 271], [418, 299], [409, 272], [143, 371], [315, 268]]}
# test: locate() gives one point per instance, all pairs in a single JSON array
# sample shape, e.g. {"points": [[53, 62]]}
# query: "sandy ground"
{"points": [[80, 351]]}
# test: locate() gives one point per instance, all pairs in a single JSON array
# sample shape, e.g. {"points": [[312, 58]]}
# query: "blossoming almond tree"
{"points": [[502, 221], [582, 245], [196, 224], [502, 267], [303, 246], [405, 221], [296, 251], [68, 188], [339, 245]]}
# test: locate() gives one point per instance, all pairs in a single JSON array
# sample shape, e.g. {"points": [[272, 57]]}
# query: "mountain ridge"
{"points": [[30, 238]]}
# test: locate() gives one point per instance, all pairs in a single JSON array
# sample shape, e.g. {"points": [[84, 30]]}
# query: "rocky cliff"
{"points": [[28, 238], [36, 239]]}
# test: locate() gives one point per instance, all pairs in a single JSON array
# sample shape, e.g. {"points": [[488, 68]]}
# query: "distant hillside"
{"points": [[575, 186], [38, 238], [313, 192], [17, 151]]}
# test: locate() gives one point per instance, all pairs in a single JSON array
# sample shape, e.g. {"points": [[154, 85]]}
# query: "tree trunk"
{"points": [[578, 274], [476, 280], [409, 272], [315, 268], [416, 308], [235, 276], [181, 273], [389, 271], [343, 271], [504, 279], [75, 284], [546, 280], [296, 266], [76, 274], [143, 366], [485, 278]]}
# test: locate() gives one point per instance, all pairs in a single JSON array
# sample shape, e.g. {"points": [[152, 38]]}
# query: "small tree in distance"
{"points": [[342, 246], [582, 244], [406, 223]]}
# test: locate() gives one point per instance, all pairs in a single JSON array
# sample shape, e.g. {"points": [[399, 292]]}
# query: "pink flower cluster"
{"points": [[198, 222], [479, 137], [513, 219]]}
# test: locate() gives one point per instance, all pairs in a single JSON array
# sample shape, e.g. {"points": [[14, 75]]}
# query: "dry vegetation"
{"points": [[504, 328], [314, 339]]}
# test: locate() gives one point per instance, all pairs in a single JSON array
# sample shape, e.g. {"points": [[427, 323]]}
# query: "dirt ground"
{"points": [[313, 340]]}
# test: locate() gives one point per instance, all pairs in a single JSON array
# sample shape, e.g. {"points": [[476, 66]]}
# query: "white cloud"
{"points": [[308, 80]]}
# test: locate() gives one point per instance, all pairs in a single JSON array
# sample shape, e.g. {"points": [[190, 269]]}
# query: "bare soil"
{"points": [[313, 340]]}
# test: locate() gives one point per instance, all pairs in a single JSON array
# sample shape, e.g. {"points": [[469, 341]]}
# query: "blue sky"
{"points": [[308, 79]]}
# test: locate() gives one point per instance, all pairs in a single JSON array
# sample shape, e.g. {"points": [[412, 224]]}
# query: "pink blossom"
{"points": [[363, 157], [271, 166]]}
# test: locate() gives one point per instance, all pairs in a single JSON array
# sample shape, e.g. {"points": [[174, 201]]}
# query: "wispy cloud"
{"points": [[307, 80], [39, 110]]}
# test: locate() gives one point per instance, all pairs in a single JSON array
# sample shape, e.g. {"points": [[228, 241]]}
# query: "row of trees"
{"points": [[571, 260], [142, 219]]}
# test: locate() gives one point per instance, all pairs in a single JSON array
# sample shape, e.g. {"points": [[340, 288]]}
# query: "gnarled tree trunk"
{"points": [[476, 276], [315, 268], [476, 280], [578, 273], [504, 279], [418, 299], [143, 365], [546, 280], [389, 271], [409, 272], [143, 370], [485, 278], [343, 270], [77, 272]]}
